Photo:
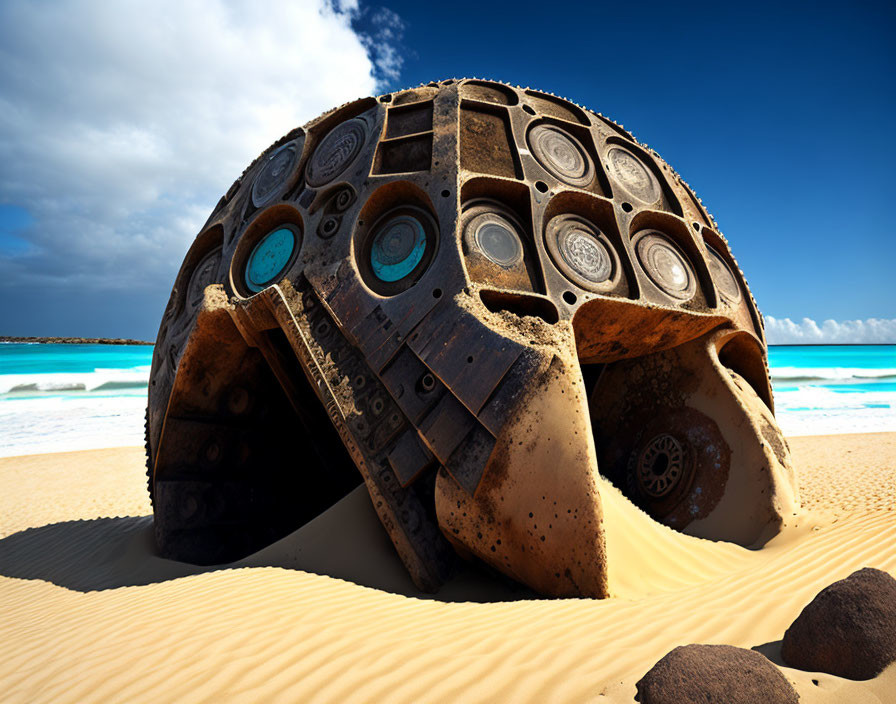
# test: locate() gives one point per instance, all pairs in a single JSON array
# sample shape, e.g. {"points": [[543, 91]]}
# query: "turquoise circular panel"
{"points": [[269, 258], [397, 248]]}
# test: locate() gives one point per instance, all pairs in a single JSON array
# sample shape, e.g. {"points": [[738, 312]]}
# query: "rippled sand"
{"points": [[89, 613]]}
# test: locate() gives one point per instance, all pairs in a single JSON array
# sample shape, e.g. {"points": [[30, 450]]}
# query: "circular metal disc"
{"points": [[269, 258], [666, 265], [632, 175], [397, 248], [661, 466], [586, 254], [274, 175], [203, 275], [337, 150], [395, 252], [725, 280], [561, 154], [497, 239], [583, 253]]}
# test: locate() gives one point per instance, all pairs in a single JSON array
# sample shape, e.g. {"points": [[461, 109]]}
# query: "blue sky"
{"points": [[113, 152]]}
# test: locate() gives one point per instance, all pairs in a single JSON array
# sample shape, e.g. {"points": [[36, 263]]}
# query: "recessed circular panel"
{"points": [[274, 176], [397, 248], [628, 171], [583, 253], [666, 265], [203, 275], [270, 258], [588, 256], [496, 238], [724, 278], [337, 150], [561, 154]]}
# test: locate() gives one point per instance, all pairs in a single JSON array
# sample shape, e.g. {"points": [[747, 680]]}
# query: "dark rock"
{"points": [[848, 629], [698, 674]]}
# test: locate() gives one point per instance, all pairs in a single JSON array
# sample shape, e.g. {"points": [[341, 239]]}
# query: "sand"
{"points": [[88, 612]]}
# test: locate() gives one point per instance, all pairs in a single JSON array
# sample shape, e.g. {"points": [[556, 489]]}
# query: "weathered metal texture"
{"points": [[477, 297]]}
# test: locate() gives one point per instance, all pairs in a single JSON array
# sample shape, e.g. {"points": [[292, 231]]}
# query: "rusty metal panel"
{"points": [[414, 388], [409, 457], [467, 356], [467, 464], [446, 426]]}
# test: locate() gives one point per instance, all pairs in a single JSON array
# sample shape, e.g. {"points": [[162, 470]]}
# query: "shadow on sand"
{"points": [[345, 542], [772, 651]]}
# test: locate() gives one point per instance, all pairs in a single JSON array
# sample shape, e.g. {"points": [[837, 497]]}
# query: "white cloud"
{"points": [[387, 30], [783, 331], [122, 123]]}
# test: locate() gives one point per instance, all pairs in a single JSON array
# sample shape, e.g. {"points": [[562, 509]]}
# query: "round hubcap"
{"points": [[660, 466]]}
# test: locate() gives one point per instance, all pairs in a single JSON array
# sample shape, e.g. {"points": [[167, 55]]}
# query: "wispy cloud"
{"points": [[784, 331], [383, 40], [122, 123]]}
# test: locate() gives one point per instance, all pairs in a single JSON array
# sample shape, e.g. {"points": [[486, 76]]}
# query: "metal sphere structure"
{"points": [[476, 299]]}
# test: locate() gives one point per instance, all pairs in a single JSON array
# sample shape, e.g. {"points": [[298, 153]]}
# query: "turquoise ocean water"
{"points": [[822, 389], [70, 397]]}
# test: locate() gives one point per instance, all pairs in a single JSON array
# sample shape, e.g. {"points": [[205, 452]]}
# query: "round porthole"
{"points": [[398, 249], [493, 232], [724, 278], [336, 152], [561, 154], [666, 265], [630, 173], [583, 253], [271, 257], [496, 246], [497, 239], [274, 177], [203, 275]]}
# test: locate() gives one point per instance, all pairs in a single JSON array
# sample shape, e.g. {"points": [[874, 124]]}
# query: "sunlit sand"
{"points": [[90, 613]]}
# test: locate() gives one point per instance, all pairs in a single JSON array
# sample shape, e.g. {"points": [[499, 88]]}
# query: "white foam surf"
{"points": [[830, 374], [98, 380], [815, 410]]}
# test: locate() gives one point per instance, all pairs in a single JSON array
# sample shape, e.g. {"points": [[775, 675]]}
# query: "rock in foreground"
{"points": [[714, 673], [848, 629]]}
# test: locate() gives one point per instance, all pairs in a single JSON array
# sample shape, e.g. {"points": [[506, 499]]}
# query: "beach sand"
{"points": [[88, 612]]}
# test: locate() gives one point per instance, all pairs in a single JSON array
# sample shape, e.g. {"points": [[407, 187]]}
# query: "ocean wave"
{"points": [[830, 374], [99, 380], [818, 398], [817, 410]]}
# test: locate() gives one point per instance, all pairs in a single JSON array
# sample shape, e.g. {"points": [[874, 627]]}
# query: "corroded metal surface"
{"points": [[475, 298]]}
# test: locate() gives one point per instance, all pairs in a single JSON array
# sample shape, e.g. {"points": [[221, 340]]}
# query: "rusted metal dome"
{"points": [[475, 298]]}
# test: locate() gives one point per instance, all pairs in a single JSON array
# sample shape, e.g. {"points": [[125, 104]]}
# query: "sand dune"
{"points": [[90, 613]]}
